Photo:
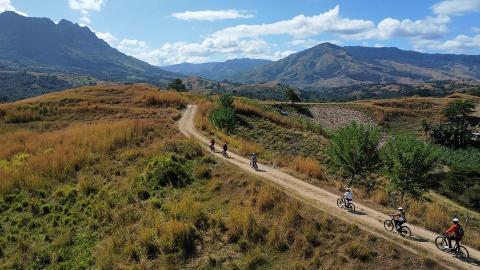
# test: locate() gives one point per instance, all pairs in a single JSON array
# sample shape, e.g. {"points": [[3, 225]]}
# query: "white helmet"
{"points": [[456, 220], [400, 208], [348, 189]]}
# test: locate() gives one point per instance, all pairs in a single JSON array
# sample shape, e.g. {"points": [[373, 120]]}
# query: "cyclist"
{"points": [[253, 159], [225, 148], [348, 195], [455, 232], [212, 145], [399, 218]]}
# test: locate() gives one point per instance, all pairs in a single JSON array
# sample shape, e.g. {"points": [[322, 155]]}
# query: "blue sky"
{"points": [[165, 32]]}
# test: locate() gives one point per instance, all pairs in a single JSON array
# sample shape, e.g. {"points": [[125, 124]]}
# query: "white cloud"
{"points": [[459, 44], [211, 15], [7, 5], [476, 29], [456, 7], [85, 6], [108, 37], [85, 21], [430, 27], [300, 26]]}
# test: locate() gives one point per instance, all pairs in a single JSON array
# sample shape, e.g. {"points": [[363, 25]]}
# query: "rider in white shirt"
{"points": [[348, 195]]}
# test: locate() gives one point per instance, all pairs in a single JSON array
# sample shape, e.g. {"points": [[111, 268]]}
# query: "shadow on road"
{"points": [[360, 213], [418, 238]]}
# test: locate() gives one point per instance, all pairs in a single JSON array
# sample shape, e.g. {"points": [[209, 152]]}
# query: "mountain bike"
{"points": [[458, 250], [342, 203], [224, 153], [254, 165], [389, 225], [212, 148]]}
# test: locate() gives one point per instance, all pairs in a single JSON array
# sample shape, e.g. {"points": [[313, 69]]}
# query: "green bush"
{"points": [[167, 170], [408, 164], [456, 131], [353, 150], [223, 118]]}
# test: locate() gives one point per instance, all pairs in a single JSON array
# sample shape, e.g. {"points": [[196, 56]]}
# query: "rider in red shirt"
{"points": [[452, 232]]}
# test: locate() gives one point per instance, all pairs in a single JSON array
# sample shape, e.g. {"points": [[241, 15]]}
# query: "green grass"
{"points": [[284, 141]]}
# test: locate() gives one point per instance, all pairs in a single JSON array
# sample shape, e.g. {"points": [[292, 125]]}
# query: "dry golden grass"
{"points": [[165, 98], [308, 166]]}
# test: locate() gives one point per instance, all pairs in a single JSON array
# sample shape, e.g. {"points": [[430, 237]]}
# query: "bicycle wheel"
{"points": [[351, 208], [388, 225], [405, 231], [441, 242], [463, 254], [339, 202]]}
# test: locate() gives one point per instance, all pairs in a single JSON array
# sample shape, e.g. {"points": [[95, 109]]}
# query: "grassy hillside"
{"points": [[100, 177], [296, 139]]}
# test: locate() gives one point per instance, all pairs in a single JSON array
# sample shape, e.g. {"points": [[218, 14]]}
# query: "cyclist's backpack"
{"points": [[460, 231]]}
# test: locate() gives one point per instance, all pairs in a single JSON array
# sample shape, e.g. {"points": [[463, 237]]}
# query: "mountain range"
{"points": [[39, 56], [217, 70], [327, 66], [36, 50]]}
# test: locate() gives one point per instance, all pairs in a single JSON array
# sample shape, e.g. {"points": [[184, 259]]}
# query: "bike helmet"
{"points": [[348, 189], [455, 220], [400, 208]]}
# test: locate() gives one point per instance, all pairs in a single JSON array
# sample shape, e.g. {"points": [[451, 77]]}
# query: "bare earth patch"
{"points": [[334, 117]]}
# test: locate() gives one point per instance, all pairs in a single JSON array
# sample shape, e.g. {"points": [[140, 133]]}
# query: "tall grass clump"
{"points": [[308, 166], [165, 98], [21, 116]]}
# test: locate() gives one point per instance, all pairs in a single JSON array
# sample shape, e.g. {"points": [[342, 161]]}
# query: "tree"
{"points": [[456, 131], [291, 95], [223, 116], [353, 150], [408, 163], [459, 110], [177, 85]]}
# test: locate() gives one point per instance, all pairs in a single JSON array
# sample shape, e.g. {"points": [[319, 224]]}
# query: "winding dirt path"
{"points": [[366, 218]]}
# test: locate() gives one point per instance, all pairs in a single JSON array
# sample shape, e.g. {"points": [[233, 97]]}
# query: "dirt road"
{"points": [[366, 218]]}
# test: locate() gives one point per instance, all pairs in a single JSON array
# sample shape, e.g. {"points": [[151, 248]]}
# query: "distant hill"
{"points": [[218, 71], [327, 66], [34, 50]]}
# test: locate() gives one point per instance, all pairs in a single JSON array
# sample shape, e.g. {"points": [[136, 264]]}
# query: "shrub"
{"points": [[178, 237], [223, 118], [242, 223], [177, 85], [353, 150], [166, 170], [359, 252], [408, 162], [187, 148]]}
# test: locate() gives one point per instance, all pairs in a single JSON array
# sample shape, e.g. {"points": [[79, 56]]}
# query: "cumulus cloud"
{"points": [[6, 5], [108, 37], [85, 6], [456, 7], [212, 15], [300, 26], [430, 27], [460, 44]]}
